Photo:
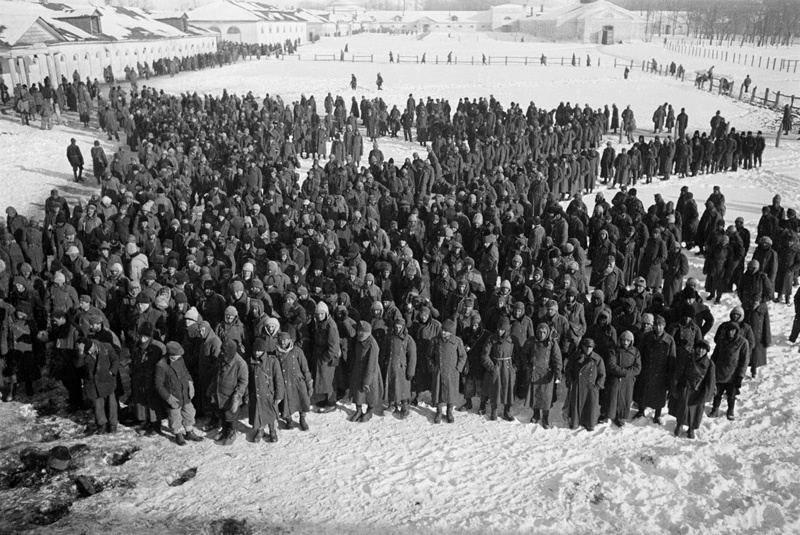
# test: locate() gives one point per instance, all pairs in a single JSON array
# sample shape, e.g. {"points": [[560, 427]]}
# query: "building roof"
{"points": [[241, 11], [601, 9], [57, 21], [314, 18], [438, 17]]}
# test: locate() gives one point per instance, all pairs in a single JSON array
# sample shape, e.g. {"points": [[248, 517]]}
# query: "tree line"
{"points": [[755, 22]]}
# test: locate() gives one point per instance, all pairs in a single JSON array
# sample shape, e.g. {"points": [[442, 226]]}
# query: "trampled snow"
{"points": [[473, 476]]}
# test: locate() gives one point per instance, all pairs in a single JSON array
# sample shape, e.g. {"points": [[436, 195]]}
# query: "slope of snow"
{"points": [[763, 78], [34, 161], [473, 476]]}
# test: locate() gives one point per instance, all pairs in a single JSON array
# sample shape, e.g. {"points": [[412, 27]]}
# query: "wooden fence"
{"points": [[759, 61], [754, 96], [544, 61]]}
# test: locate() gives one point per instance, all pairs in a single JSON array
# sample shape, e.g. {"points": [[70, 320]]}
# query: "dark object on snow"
{"points": [[51, 512], [230, 526], [59, 458], [118, 458], [33, 458], [184, 477], [87, 486]]}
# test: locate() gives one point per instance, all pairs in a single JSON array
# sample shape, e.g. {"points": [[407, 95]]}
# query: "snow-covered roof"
{"points": [[120, 23], [241, 11], [56, 22], [601, 9], [313, 18]]}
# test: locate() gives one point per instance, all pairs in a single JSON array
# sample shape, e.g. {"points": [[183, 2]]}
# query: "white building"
{"points": [[57, 39], [589, 21], [318, 24], [506, 16], [426, 21], [249, 22]]}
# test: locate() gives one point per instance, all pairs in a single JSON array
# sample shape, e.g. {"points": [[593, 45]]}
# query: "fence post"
{"points": [[741, 90], [778, 137], [615, 63], [753, 94], [795, 65], [759, 61], [766, 96], [506, 60], [598, 61], [372, 58], [777, 99], [726, 55], [526, 60], [562, 61]]}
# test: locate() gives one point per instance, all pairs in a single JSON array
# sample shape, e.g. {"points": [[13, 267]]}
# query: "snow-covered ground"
{"points": [[34, 161], [787, 83], [546, 86], [412, 476]]}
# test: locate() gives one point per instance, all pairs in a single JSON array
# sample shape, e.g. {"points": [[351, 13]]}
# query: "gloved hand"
{"points": [[173, 402], [235, 403], [409, 377], [191, 390]]}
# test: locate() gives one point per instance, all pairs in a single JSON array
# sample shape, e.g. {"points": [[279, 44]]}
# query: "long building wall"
{"points": [[28, 65], [263, 33]]}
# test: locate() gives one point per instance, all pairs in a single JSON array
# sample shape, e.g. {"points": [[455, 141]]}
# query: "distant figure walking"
{"points": [[379, 82], [75, 158], [353, 82]]}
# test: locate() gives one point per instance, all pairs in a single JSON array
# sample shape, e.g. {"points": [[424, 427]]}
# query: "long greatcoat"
{"points": [[425, 335], [692, 388], [500, 372], [758, 319], [99, 371], [624, 365], [400, 353], [326, 351], [230, 382], [143, 372], [296, 380], [543, 367], [450, 357], [658, 363], [585, 378], [730, 358], [265, 389], [366, 385]]}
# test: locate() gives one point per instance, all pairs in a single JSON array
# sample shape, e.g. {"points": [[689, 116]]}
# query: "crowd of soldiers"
{"points": [[205, 276], [42, 100]]}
